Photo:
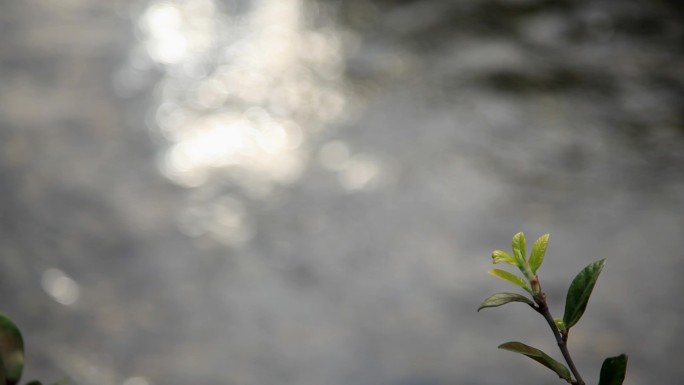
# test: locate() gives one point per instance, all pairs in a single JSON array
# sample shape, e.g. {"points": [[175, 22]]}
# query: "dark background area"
{"points": [[307, 192]]}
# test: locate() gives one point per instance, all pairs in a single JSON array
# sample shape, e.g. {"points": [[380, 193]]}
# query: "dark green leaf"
{"points": [[579, 293], [538, 252], [519, 248], [613, 370], [540, 357], [499, 299], [510, 277], [11, 350]]}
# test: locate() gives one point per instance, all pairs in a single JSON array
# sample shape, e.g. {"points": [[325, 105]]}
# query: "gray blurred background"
{"points": [[259, 192]]}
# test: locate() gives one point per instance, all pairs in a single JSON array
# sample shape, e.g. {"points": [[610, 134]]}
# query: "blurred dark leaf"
{"points": [[11, 350]]}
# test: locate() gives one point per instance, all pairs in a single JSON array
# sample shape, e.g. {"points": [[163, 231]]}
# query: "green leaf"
{"points": [[11, 350], [539, 356], [519, 248], [510, 277], [538, 252], [34, 383], [580, 291], [499, 299], [502, 256], [613, 370]]}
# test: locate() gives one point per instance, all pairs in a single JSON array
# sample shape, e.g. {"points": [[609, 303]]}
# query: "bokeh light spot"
{"points": [[60, 287]]}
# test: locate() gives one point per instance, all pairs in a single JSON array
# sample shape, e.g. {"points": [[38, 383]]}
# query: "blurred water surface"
{"points": [[307, 192]]}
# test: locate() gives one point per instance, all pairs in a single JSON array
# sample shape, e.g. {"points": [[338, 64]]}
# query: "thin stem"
{"points": [[543, 309]]}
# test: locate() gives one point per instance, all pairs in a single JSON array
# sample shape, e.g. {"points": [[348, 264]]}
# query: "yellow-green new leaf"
{"points": [[510, 277], [539, 356], [499, 299], [519, 248], [499, 256], [538, 252]]}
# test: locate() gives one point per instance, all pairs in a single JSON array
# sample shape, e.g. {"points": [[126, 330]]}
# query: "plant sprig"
{"points": [[613, 369]]}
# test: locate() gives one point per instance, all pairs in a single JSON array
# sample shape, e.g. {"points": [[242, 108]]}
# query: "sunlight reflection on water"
{"points": [[257, 97], [242, 97]]}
